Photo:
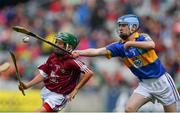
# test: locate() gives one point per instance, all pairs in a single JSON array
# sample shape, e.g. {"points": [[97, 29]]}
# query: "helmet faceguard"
{"points": [[68, 39], [131, 20]]}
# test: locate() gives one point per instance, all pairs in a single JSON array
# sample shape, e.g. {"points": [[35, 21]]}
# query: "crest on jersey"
{"points": [[62, 71], [53, 77], [137, 62]]}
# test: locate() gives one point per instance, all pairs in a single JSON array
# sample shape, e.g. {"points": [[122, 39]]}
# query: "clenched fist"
{"points": [[22, 86], [75, 53]]}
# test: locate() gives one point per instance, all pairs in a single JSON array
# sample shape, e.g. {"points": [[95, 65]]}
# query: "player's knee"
{"points": [[129, 108]]}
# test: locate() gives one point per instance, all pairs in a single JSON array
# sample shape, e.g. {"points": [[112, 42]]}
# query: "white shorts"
{"points": [[161, 89], [56, 101]]}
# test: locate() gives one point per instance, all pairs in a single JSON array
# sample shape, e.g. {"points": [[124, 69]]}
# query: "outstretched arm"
{"points": [[90, 52], [37, 79]]}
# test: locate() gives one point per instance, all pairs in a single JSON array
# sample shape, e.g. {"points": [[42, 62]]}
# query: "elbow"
{"points": [[90, 74], [153, 45]]}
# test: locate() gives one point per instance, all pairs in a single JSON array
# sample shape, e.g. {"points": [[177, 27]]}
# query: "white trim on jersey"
{"points": [[82, 67], [43, 73], [147, 37]]}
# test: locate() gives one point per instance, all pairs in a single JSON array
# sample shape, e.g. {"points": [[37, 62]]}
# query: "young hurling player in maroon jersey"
{"points": [[61, 75]]}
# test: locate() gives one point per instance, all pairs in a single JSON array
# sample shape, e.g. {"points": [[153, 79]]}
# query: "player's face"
{"points": [[60, 44], [123, 31]]}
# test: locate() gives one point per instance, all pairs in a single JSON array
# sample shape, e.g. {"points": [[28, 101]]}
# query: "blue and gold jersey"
{"points": [[143, 63]]}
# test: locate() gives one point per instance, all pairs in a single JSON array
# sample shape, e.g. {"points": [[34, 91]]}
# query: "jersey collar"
{"points": [[135, 36]]}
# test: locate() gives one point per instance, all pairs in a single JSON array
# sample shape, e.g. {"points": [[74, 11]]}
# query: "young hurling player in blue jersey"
{"points": [[137, 52]]}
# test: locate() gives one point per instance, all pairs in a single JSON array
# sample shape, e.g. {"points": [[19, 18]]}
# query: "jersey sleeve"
{"points": [[144, 37], [44, 69], [82, 67], [43, 73], [116, 49]]}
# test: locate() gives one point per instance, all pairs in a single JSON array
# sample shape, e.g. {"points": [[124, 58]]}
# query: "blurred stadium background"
{"points": [[94, 22]]}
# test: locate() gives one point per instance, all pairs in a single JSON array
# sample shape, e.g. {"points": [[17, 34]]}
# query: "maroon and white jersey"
{"points": [[62, 74]]}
